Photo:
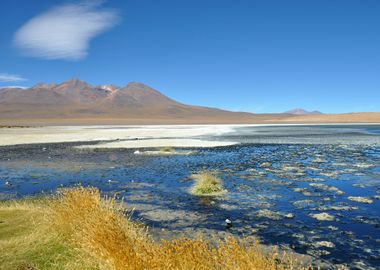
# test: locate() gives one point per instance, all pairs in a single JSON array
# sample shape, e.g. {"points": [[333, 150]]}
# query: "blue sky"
{"points": [[258, 56]]}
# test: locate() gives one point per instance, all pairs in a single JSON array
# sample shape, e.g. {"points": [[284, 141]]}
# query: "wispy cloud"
{"points": [[14, 86], [6, 77], [65, 31]]}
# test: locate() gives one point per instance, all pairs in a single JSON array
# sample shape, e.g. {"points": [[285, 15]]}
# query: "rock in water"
{"points": [[228, 223]]}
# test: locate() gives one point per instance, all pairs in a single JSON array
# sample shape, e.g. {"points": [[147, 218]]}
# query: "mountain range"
{"points": [[76, 99], [300, 111], [77, 102]]}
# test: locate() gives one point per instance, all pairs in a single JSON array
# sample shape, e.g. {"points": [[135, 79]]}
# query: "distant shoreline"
{"points": [[254, 119], [184, 125]]}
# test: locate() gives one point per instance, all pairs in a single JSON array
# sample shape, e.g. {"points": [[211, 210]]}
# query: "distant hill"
{"points": [[300, 111]]}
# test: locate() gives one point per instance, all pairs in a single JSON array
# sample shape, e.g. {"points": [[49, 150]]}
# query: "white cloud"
{"points": [[5, 77], [64, 32], [13, 86]]}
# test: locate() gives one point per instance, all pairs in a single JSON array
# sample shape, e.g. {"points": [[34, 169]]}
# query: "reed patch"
{"points": [[207, 183]]}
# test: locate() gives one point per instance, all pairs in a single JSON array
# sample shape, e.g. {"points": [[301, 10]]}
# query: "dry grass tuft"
{"points": [[167, 149], [85, 223], [207, 183], [99, 227]]}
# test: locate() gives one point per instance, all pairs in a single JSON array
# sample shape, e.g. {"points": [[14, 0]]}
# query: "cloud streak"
{"points": [[13, 86], [65, 31], [6, 77]]}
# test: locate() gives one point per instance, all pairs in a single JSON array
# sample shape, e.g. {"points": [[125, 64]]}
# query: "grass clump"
{"points": [[99, 227], [27, 242], [167, 149], [207, 183], [81, 227]]}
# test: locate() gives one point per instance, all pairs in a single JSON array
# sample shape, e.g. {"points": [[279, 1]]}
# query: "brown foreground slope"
{"points": [[254, 119], [75, 102]]}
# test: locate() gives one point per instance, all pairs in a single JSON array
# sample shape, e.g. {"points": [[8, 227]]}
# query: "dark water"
{"points": [[274, 188]]}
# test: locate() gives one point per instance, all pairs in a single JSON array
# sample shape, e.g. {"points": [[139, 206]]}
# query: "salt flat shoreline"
{"points": [[125, 136], [134, 136]]}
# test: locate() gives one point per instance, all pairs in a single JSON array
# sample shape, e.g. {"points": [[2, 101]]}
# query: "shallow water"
{"points": [[276, 180]]}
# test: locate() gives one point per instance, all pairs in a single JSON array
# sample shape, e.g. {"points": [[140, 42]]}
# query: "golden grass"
{"points": [[207, 183], [97, 230], [167, 149], [26, 242]]}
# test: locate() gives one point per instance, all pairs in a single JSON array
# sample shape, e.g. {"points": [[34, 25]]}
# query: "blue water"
{"points": [[257, 176]]}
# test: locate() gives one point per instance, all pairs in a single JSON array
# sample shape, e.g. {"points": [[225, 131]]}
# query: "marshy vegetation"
{"points": [[11, 126], [167, 149], [77, 229], [207, 183]]}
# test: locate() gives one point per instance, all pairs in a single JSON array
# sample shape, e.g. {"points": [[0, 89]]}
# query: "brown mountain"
{"points": [[77, 102], [76, 99]]}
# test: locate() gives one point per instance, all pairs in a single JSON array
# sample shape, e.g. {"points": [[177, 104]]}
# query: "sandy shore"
{"points": [[129, 136], [126, 136]]}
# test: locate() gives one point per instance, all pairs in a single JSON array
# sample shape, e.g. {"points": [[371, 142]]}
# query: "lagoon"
{"points": [[282, 183]]}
